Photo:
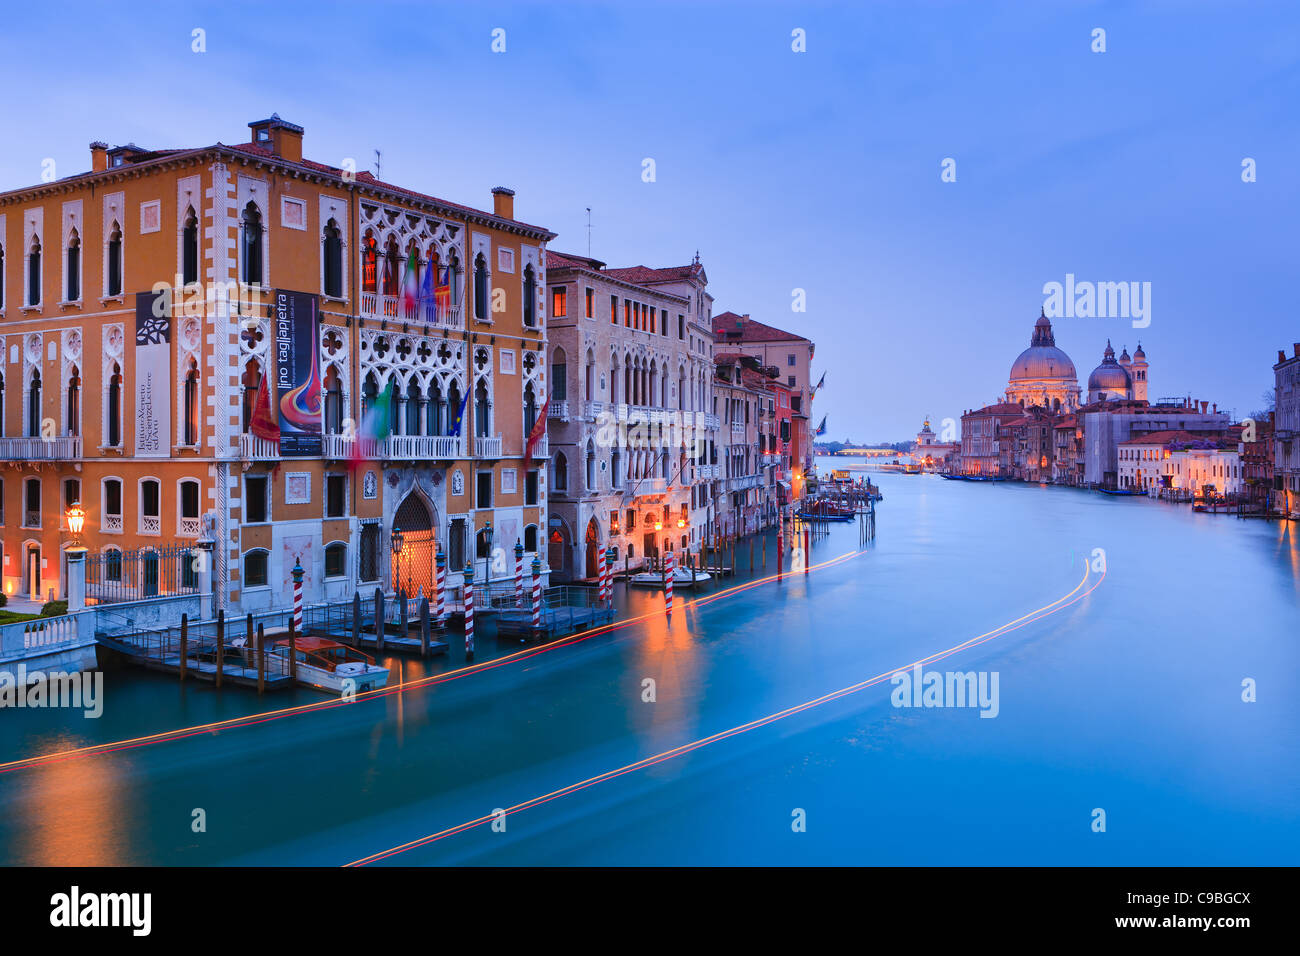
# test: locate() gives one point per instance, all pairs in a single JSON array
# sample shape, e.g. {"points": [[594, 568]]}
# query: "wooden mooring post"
{"points": [[293, 651], [379, 621], [424, 627], [248, 640], [185, 635], [402, 615], [261, 658], [356, 618], [221, 645]]}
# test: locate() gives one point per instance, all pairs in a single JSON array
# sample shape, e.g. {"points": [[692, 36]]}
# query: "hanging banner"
{"points": [[153, 361], [297, 373]]}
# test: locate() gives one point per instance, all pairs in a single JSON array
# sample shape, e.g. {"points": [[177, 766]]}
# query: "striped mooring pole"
{"points": [[297, 596], [469, 612], [600, 575], [807, 548], [668, 584], [610, 557], [440, 585], [537, 596], [519, 573], [780, 546]]}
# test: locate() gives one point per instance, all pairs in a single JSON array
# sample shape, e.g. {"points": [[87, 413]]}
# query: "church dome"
{"points": [[1110, 377], [1042, 360]]}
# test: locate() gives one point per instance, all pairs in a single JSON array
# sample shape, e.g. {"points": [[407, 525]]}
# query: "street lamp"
{"points": [[76, 521], [396, 539]]}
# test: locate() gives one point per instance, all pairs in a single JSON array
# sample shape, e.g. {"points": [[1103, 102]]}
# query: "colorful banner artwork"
{"points": [[153, 361], [297, 373]]}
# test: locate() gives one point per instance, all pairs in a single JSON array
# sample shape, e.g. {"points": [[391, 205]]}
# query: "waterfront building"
{"points": [[747, 488], [984, 446], [161, 422], [1287, 431], [631, 374], [1067, 457], [1032, 446], [792, 356], [1258, 464], [930, 453], [1180, 461], [1106, 424], [1043, 375]]}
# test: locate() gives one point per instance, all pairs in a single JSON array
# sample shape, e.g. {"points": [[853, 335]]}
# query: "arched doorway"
{"points": [[559, 550], [413, 564], [592, 543]]}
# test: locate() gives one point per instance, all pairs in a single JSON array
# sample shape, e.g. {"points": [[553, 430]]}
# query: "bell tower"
{"points": [[1138, 372]]}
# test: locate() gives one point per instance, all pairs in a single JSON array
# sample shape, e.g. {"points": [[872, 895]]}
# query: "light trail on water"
{"points": [[1070, 598], [422, 683]]}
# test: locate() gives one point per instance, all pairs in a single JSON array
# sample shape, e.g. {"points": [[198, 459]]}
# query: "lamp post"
{"points": [[487, 558], [396, 540], [76, 516], [76, 555]]}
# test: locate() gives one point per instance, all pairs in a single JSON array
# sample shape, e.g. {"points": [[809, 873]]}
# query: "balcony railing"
{"points": [[707, 472], [31, 519], [61, 448], [112, 523], [396, 448], [258, 449], [590, 410], [737, 430], [487, 446], [376, 306], [742, 482], [191, 527], [150, 524], [711, 422], [543, 447], [558, 409]]}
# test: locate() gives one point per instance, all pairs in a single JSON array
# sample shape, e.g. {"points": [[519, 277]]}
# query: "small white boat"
{"points": [[682, 578], [332, 666]]}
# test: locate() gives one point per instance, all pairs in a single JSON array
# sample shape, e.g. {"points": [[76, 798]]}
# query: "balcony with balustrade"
{"points": [[393, 309], [737, 431], [487, 446], [592, 410], [558, 409], [59, 448]]}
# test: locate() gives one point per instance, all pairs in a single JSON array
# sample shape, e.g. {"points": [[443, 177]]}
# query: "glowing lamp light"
{"points": [[681, 522], [659, 525], [76, 519]]}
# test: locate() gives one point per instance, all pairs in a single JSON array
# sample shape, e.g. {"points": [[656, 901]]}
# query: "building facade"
{"points": [[146, 309], [1286, 434], [632, 433]]}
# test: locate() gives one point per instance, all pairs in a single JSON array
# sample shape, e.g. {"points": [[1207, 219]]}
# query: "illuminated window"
{"points": [[559, 302]]}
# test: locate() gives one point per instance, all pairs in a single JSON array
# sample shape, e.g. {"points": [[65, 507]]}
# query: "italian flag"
{"points": [[376, 425], [411, 285]]}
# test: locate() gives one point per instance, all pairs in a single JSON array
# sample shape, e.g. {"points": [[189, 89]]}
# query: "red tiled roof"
{"points": [[559, 260], [1171, 435], [730, 327], [1001, 408], [644, 275]]}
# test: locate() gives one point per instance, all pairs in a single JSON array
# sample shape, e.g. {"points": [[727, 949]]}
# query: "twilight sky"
{"points": [[816, 170]]}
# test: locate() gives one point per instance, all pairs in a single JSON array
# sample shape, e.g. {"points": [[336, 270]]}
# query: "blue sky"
{"points": [[816, 170]]}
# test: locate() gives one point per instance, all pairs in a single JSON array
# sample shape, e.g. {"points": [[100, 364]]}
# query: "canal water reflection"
{"points": [[1129, 701]]}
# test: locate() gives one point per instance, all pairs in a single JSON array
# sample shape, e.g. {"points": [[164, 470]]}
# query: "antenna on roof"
{"points": [[588, 232], [379, 158]]}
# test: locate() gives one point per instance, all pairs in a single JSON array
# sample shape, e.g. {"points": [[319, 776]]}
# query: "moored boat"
{"points": [[682, 578], [332, 666]]}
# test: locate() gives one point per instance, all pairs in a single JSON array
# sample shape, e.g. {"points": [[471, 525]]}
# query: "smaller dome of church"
{"points": [[1139, 355], [1110, 377]]}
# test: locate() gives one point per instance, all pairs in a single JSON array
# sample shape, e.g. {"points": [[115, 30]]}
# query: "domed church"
{"points": [[1114, 380], [1043, 375]]}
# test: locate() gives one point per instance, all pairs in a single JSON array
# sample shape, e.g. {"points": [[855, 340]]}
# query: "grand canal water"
{"points": [[1128, 701]]}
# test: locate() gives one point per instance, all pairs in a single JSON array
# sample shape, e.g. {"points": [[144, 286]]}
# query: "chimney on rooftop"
{"points": [[1296, 346], [280, 137], [1281, 356], [98, 156], [503, 202]]}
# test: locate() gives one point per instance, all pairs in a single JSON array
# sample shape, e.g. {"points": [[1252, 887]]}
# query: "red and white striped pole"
{"points": [[807, 548], [780, 546], [600, 575], [297, 597], [469, 612], [537, 596], [609, 576], [519, 574], [668, 584], [441, 587]]}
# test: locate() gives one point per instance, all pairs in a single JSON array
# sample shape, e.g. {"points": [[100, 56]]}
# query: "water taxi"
{"points": [[332, 666]]}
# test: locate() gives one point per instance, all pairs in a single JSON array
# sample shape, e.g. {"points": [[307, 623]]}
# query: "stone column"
{"points": [[207, 549], [76, 578]]}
